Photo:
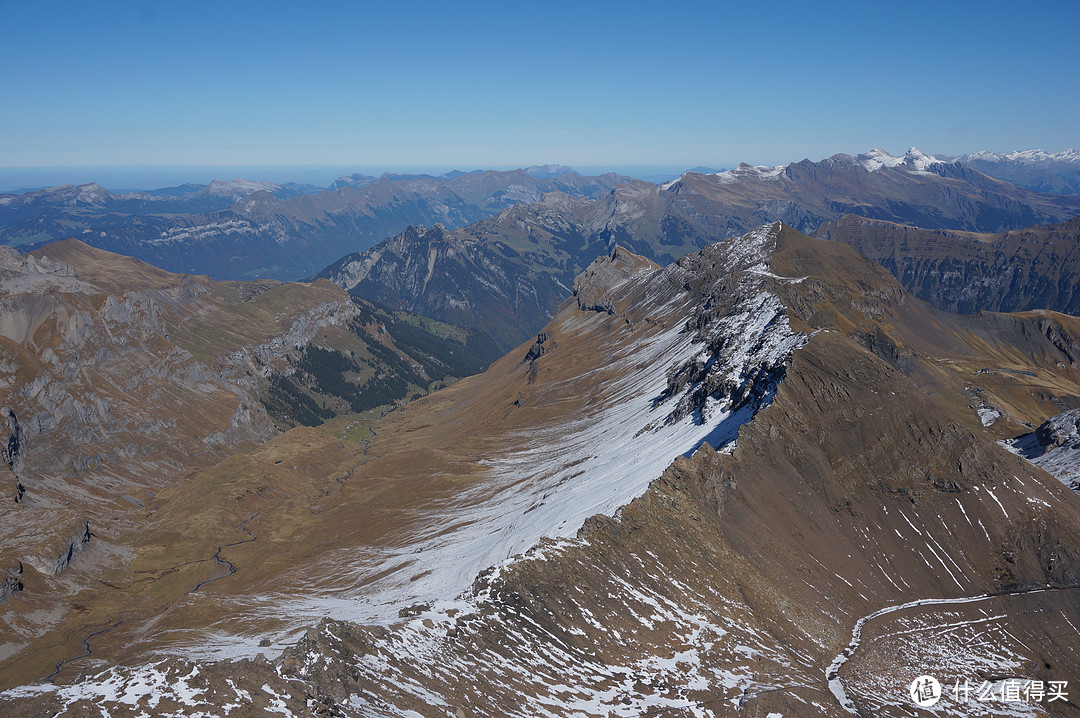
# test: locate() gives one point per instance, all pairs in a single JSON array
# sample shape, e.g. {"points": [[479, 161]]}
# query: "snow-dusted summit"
{"points": [[913, 160]]}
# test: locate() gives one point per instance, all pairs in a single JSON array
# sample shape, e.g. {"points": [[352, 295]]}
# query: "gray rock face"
{"points": [[1055, 447], [78, 543], [246, 364], [1034, 268], [9, 587], [112, 404], [455, 278], [9, 450], [1060, 430], [591, 286]]}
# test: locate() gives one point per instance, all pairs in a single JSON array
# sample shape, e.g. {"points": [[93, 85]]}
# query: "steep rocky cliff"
{"points": [[1036, 268]]}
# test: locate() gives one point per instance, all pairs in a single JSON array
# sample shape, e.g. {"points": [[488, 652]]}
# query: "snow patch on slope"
{"points": [[205, 232], [565, 472], [143, 689], [698, 641]]}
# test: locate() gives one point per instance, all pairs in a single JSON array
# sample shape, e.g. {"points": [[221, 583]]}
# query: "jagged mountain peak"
{"points": [[598, 285]]}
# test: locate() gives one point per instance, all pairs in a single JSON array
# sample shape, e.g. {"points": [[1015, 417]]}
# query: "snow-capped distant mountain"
{"points": [[913, 160], [548, 171], [1050, 172], [915, 188], [508, 273], [745, 171], [1028, 157]]}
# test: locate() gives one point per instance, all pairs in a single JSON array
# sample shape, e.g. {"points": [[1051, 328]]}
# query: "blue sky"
{"points": [[496, 84]]}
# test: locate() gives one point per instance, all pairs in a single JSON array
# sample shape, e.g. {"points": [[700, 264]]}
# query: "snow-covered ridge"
{"points": [[565, 471], [1025, 157], [913, 160], [578, 466], [749, 172], [668, 185], [741, 173]]}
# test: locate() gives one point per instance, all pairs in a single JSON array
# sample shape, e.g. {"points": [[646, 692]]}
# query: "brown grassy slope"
{"points": [[116, 407]]}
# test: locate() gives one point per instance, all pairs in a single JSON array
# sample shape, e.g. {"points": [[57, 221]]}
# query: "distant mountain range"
{"points": [[507, 274], [233, 190], [241, 229], [1050, 172]]}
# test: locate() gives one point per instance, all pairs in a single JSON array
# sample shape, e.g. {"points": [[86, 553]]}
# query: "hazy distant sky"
{"points": [[511, 83]]}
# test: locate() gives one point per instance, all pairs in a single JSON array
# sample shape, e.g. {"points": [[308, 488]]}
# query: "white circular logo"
{"points": [[925, 691]]}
